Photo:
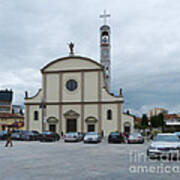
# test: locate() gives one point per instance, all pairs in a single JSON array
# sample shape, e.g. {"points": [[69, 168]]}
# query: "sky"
{"points": [[145, 45]]}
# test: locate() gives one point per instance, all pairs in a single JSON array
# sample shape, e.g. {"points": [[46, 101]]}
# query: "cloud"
{"points": [[144, 35]]}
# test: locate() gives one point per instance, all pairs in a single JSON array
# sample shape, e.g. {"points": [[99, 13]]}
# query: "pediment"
{"points": [[91, 119], [71, 114], [52, 120], [127, 124]]}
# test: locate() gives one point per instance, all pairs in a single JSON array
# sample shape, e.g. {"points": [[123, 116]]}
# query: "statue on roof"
{"points": [[71, 47]]}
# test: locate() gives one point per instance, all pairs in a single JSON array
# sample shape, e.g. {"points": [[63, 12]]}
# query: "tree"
{"points": [[144, 121], [157, 121], [154, 122], [161, 123]]}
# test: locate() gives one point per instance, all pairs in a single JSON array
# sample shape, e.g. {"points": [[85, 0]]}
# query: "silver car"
{"points": [[72, 137], [135, 138], [92, 137], [164, 145]]}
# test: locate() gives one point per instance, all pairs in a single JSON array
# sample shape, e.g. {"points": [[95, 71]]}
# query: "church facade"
{"points": [[75, 95], [74, 98]]}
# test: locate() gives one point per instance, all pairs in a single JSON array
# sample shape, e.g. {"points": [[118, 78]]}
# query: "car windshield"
{"points": [[114, 134], [135, 134], [46, 132], [177, 133], [27, 132], [92, 133], [72, 133], [169, 138]]}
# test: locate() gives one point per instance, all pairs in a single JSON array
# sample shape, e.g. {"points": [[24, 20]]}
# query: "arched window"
{"points": [[36, 115], [105, 37], [109, 115]]}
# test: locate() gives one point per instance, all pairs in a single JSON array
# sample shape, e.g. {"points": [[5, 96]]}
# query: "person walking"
{"points": [[9, 141]]}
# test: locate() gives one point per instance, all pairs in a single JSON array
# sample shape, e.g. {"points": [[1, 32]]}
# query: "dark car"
{"points": [[3, 135], [49, 136], [30, 135], [115, 137], [16, 134]]}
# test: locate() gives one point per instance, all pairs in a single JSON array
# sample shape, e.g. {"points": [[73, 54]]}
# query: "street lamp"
{"points": [[43, 107]]}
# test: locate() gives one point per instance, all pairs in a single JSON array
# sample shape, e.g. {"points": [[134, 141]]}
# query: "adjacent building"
{"points": [[172, 122], [7, 117], [156, 111], [6, 101]]}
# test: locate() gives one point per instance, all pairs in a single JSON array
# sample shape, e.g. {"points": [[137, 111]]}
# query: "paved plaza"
{"points": [[78, 161]]}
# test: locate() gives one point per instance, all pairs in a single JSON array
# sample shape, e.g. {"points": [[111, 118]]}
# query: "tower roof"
{"points": [[105, 27]]}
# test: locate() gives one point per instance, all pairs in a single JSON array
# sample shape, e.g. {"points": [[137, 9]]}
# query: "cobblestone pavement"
{"points": [[78, 161]]}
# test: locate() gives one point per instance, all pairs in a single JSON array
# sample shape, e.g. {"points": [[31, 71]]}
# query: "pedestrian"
{"points": [[9, 141]]}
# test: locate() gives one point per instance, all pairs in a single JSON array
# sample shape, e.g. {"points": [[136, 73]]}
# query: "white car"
{"points": [[135, 138], [72, 137], [164, 145], [92, 137]]}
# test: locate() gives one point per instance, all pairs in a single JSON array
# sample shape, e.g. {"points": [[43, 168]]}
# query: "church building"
{"points": [[75, 95]]}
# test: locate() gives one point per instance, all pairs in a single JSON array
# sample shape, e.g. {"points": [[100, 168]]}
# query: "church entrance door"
{"points": [[91, 127], [52, 127], [71, 125]]}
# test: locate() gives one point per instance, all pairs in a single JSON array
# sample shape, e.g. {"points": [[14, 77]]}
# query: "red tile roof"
{"points": [[137, 119], [171, 116]]}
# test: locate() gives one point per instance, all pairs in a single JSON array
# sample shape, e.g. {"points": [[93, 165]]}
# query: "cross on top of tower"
{"points": [[105, 16]]}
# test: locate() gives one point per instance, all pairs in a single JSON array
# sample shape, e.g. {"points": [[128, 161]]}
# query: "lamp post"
{"points": [[43, 107]]}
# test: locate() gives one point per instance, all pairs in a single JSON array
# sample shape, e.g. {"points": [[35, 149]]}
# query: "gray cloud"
{"points": [[145, 45]]}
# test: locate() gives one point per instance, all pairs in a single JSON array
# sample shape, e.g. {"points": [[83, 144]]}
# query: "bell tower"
{"points": [[105, 48]]}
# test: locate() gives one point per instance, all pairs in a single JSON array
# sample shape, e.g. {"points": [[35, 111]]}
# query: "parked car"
{"points": [[3, 135], [178, 134], [72, 137], [115, 137], [30, 135], [16, 134], [167, 145], [92, 137], [135, 138], [49, 136]]}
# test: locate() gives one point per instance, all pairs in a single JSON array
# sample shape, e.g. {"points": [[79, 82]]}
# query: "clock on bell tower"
{"points": [[105, 50]]}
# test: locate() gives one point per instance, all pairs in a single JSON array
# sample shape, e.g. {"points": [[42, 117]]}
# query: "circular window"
{"points": [[71, 85]]}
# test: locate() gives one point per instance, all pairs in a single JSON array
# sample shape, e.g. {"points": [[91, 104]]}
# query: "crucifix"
{"points": [[105, 16]]}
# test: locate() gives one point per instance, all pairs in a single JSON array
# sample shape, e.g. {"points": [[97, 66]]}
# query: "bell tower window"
{"points": [[105, 38]]}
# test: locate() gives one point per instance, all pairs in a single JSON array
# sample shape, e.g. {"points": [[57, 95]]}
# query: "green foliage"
{"points": [[144, 122], [154, 132], [157, 121], [137, 126]]}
